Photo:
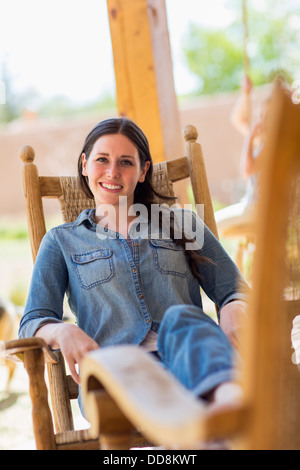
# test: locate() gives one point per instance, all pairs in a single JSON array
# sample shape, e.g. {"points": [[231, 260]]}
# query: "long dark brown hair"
{"points": [[144, 192]]}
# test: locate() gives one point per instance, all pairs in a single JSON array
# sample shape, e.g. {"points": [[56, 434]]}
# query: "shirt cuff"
{"points": [[29, 328]]}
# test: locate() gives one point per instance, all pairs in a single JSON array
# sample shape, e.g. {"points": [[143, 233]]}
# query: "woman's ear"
{"points": [[84, 162], [144, 172]]}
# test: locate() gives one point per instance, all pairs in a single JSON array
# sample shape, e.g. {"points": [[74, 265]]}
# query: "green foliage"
{"points": [[216, 57], [13, 230]]}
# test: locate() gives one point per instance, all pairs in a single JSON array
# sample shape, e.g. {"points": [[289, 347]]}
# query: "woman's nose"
{"points": [[113, 170]]}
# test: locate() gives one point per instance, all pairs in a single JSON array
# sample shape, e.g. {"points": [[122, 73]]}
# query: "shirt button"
{"points": [[136, 244], [134, 270], [148, 321], [141, 296]]}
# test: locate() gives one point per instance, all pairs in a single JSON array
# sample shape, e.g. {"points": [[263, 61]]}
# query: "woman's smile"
{"points": [[111, 186]]}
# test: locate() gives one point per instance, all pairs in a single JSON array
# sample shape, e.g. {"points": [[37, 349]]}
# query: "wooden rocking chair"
{"points": [[33, 351], [123, 394]]}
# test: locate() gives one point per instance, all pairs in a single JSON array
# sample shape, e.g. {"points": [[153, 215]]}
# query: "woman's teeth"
{"points": [[111, 186]]}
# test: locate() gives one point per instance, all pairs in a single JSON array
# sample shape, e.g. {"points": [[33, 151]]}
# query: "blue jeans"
{"points": [[195, 349]]}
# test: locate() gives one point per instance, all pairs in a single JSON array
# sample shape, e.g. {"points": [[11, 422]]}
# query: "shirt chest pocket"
{"points": [[169, 258], [93, 268]]}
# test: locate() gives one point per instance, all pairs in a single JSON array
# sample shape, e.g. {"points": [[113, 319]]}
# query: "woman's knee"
{"points": [[184, 315]]}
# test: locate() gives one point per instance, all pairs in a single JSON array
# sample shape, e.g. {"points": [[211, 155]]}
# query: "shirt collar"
{"points": [[86, 215]]}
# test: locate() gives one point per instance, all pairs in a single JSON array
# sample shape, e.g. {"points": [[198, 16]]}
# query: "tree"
{"points": [[216, 56]]}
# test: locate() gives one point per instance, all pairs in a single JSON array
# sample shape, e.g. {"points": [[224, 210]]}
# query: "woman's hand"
{"points": [[233, 317], [73, 342]]}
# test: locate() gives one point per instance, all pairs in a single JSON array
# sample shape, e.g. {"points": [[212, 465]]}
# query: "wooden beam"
{"points": [[143, 70]]}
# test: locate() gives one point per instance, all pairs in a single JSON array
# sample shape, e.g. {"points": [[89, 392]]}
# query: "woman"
{"points": [[124, 288]]}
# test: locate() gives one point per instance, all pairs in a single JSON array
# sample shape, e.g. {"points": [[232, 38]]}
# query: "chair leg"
{"points": [[109, 423], [61, 406], [41, 415]]}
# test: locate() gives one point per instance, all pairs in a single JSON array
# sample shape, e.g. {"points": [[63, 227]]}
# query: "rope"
{"points": [[246, 38], [246, 56]]}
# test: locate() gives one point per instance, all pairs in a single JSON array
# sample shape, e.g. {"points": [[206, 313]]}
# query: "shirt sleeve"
{"points": [[220, 278], [47, 289]]}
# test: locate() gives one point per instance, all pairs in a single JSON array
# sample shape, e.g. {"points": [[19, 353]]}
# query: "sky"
{"points": [[63, 47]]}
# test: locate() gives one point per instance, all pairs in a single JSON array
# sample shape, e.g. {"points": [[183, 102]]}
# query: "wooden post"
{"points": [[143, 71], [199, 177], [33, 200], [62, 414]]}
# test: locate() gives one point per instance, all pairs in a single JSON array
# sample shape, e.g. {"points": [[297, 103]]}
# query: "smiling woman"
{"points": [[113, 169], [129, 289]]}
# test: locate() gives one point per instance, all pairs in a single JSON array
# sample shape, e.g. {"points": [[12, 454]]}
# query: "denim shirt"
{"points": [[118, 288]]}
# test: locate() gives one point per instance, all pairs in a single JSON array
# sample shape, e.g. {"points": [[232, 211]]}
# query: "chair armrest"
{"points": [[149, 397], [125, 380], [13, 350]]}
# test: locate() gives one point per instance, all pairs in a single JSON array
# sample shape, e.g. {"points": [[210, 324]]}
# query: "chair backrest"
{"points": [[270, 379], [72, 201]]}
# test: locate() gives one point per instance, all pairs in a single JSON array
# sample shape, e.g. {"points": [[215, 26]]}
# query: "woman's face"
{"points": [[113, 169]]}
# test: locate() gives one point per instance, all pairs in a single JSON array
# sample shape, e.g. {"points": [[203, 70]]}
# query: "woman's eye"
{"points": [[123, 162]]}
